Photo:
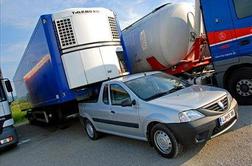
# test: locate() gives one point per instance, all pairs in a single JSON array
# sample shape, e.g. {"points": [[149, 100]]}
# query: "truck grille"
{"points": [[219, 105], [65, 32], [113, 27]]}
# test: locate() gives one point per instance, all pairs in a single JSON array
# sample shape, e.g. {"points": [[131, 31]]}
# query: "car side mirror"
{"points": [[8, 86], [133, 102], [126, 103]]}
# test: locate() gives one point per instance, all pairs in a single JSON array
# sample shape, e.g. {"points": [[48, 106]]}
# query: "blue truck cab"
{"points": [[228, 25]]}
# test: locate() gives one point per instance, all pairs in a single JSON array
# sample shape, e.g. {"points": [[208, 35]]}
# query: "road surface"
{"points": [[51, 146]]}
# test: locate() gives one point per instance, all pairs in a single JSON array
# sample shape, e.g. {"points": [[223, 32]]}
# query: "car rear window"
{"points": [[105, 97]]}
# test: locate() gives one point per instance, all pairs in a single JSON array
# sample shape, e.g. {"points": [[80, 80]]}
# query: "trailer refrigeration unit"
{"points": [[212, 40], [68, 50], [8, 134]]}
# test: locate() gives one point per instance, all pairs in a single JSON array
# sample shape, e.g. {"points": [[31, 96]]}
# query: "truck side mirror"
{"points": [[8, 86]]}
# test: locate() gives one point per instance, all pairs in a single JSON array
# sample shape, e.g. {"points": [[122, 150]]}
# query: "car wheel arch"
{"points": [[148, 131], [156, 117]]}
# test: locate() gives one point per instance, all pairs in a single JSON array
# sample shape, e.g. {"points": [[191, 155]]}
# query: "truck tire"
{"points": [[31, 119], [90, 130], [164, 141], [240, 85]]}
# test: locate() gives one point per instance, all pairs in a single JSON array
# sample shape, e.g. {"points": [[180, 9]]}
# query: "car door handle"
{"points": [[112, 112], [245, 42]]}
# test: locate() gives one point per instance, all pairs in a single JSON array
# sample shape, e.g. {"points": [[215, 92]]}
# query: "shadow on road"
{"points": [[69, 140]]}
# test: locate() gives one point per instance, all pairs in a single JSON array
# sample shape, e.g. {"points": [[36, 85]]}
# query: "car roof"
{"points": [[132, 76]]}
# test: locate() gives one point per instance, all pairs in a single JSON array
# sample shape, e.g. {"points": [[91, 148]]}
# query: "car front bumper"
{"points": [[203, 129], [8, 137]]}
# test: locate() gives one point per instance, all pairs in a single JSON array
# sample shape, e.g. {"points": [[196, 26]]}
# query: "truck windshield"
{"points": [[153, 86], [2, 93]]}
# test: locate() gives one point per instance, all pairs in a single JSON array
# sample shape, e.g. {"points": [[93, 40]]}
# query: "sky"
{"points": [[18, 19]]}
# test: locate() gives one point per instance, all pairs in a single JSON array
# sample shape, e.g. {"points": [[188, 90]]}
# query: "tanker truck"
{"points": [[69, 51], [211, 41]]}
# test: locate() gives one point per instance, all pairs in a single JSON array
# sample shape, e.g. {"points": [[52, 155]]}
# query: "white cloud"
{"points": [[12, 52], [132, 16], [140, 1], [26, 13], [10, 56]]}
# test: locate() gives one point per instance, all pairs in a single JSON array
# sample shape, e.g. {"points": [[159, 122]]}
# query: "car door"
{"points": [[126, 119], [100, 112]]}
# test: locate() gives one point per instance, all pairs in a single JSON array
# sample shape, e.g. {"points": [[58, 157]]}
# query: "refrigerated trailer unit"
{"points": [[172, 38], [68, 51]]}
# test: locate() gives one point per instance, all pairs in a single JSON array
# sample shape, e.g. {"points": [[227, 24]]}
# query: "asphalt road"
{"points": [[51, 146]]}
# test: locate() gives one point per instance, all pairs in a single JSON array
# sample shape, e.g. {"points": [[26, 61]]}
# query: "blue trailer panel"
{"points": [[40, 77]]}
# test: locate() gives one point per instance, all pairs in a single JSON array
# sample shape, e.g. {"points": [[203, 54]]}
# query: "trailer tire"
{"points": [[240, 85], [31, 119]]}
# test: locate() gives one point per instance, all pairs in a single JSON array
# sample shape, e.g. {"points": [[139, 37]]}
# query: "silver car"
{"points": [[159, 108]]}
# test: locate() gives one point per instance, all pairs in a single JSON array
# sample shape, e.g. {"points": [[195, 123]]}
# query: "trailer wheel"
{"points": [[164, 141], [31, 119], [240, 85]]}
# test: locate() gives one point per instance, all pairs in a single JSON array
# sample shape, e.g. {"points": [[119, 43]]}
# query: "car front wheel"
{"points": [[164, 141]]}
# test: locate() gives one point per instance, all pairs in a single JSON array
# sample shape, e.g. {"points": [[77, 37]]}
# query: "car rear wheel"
{"points": [[164, 141]]}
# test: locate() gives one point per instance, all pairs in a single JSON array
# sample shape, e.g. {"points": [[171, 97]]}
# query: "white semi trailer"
{"points": [[68, 51]]}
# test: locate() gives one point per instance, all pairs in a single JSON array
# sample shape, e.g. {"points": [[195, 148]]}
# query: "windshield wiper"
{"points": [[176, 88], [157, 95]]}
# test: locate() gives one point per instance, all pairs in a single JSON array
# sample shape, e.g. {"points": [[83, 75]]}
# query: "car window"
{"points": [[243, 8], [90, 94], [105, 98], [118, 94]]}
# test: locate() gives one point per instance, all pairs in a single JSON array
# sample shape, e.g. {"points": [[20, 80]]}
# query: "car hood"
{"points": [[192, 97]]}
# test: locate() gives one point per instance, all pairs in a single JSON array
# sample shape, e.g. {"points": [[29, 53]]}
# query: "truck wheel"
{"points": [[90, 130], [240, 85], [164, 141], [30, 118]]}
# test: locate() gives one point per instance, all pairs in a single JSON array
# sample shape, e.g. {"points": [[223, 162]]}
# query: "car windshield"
{"points": [[156, 85]]}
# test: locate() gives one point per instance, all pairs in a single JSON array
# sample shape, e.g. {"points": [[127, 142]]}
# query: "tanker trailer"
{"points": [[219, 56], [162, 39]]}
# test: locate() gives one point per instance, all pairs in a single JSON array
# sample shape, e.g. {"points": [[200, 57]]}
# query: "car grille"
{"points": [[219, 105]]}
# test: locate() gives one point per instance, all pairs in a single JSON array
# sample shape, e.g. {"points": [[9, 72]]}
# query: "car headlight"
{"points": [[190, 115], [230, 98]]}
